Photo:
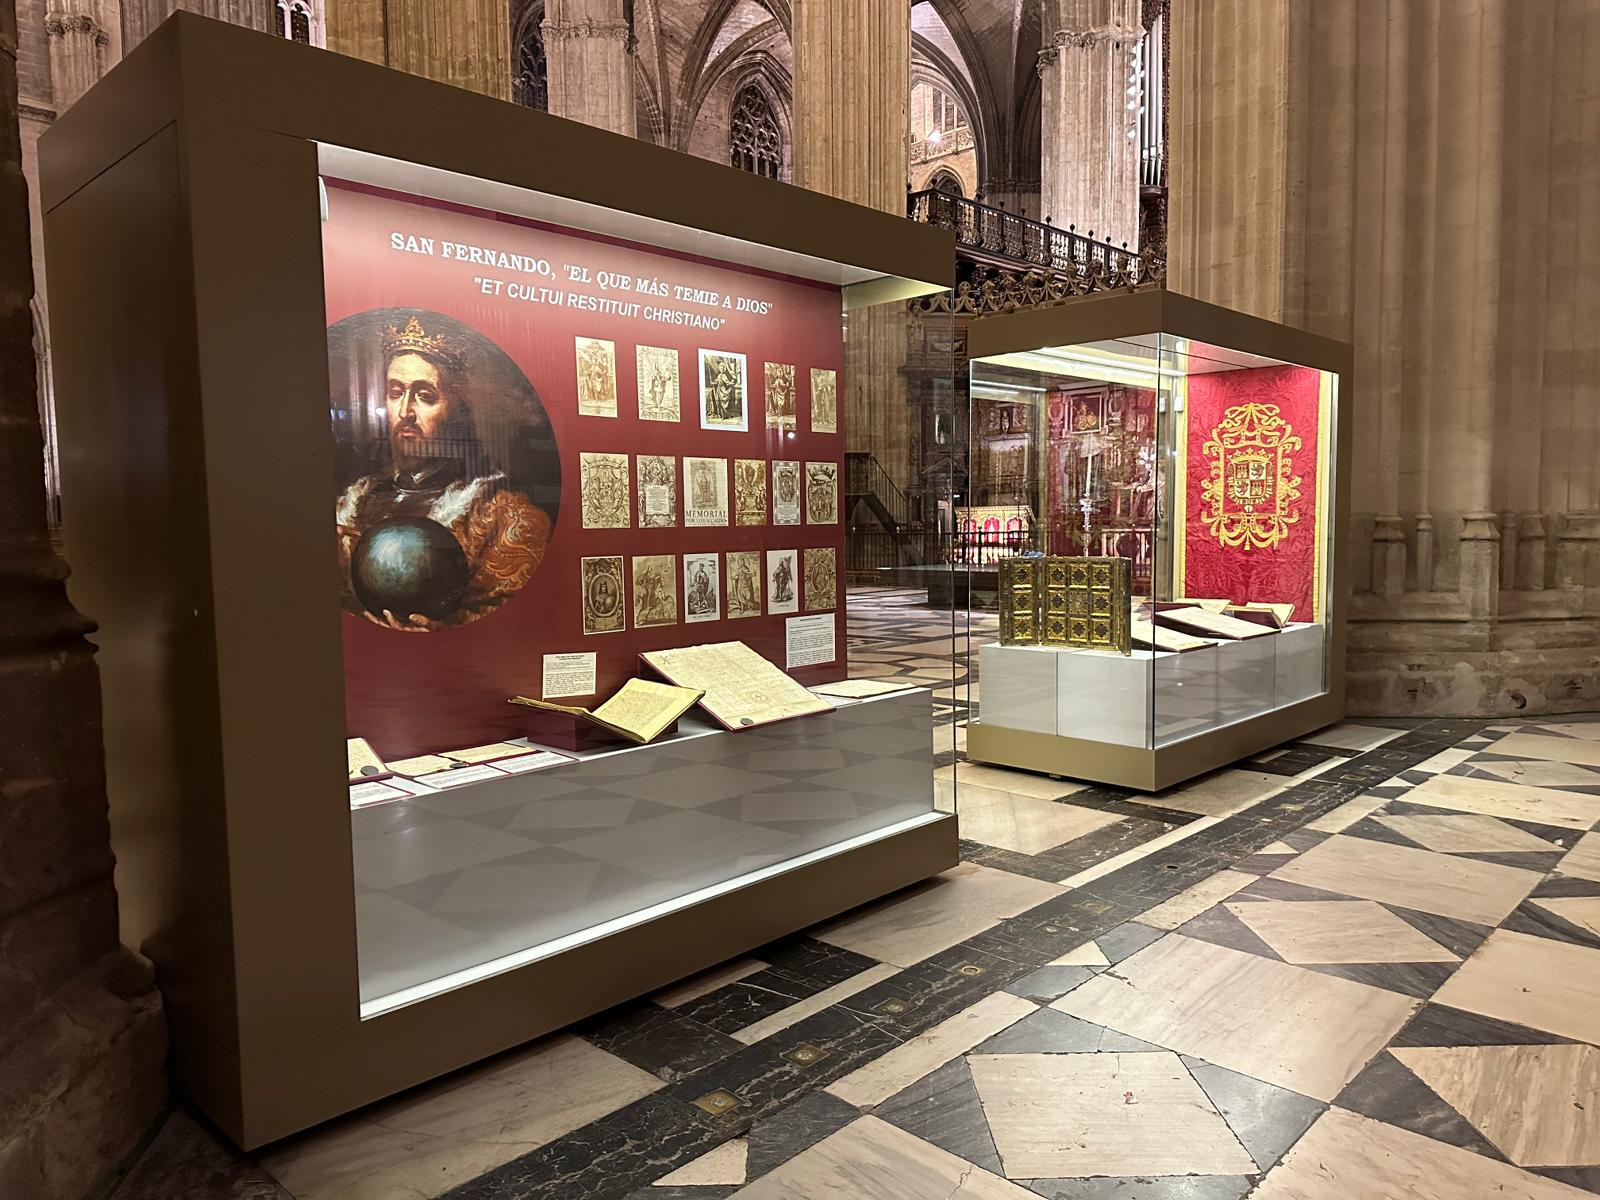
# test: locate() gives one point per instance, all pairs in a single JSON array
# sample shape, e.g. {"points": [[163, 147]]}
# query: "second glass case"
{"points": [[1151, 509]]}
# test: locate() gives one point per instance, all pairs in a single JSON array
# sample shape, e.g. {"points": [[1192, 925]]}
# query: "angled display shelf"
{"points": [[588, 408], [1157, 495]]}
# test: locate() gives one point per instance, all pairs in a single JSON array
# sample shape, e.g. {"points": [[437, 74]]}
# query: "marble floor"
{"points": [[1363, 966]]}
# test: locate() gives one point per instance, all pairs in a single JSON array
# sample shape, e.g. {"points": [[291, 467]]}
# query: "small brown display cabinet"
{"points": [[1158, 491], [587, 404]]}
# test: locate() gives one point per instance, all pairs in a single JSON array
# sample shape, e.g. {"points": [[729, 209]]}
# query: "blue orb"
{"points": [[409, 566]]}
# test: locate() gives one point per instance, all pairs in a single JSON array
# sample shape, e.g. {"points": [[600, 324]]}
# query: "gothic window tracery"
{"points": [[530, 78], [294, 19], [755, 144]]}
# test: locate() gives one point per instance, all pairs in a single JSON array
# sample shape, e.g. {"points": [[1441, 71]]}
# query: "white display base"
{"points": [[1148, 698]]}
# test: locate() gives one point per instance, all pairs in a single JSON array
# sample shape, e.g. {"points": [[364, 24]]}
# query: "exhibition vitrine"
{"points": [[513, 682], [1156, 497]]}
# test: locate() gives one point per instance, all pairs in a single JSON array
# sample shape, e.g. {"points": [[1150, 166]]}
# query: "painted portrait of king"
{"points": [[437, 536]]}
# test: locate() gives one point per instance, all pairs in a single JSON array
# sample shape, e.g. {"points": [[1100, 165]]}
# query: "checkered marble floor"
{"points": [[1366, 964]]}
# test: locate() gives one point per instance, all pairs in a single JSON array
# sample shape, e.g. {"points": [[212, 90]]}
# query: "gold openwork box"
{"points": [[1181, 473], [1057, 601]]}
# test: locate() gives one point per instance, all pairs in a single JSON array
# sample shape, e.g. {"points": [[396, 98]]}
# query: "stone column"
{"points": [[1090, 141], [140, 17], [462, 42], [82, 1040], [79, 49], [1420, 180], [588, 52], [852, 74]]}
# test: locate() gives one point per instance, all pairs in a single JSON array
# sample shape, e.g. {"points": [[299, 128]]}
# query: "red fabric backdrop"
{"points": [[409, 692], [1285, 571]]}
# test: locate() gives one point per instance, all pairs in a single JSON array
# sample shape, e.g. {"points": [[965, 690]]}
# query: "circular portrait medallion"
{"points": [[448, 475]]}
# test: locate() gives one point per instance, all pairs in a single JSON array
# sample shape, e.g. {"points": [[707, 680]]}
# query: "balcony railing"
{"points": [[985, 230], [952, 142]]}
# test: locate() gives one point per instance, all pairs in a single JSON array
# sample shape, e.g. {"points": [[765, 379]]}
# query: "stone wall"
{"points": [[82, 1039], [1421, 180]]}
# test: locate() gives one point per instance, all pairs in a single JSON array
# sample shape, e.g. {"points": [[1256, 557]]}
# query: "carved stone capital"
{"points": [[587, 30], [59, 25]]}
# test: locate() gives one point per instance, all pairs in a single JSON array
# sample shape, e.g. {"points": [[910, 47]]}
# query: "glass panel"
{"points": [[559, 448], [1200, 475], [1064, 471]]}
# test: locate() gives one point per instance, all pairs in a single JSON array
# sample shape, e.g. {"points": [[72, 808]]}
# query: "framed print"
{"points": [[702, 590], [597, 377], [602, 595], [824, 401], [822, 579], [750, 491], [658, 491], [780, 395], [603, 488], [786, 493], [783, 581], [724, 391], [658, 383], [705, 491], [822, 493], [655, 590], [744, 583]]}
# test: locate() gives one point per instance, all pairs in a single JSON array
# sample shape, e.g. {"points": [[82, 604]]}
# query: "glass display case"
{"points": [[472, 539], [1153, 503]]}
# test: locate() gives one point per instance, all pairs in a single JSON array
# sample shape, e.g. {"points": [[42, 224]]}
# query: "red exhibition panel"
{"points": [[495, 312], [1253, 458]]}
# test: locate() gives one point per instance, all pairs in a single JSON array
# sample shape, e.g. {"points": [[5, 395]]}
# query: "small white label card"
{"points": [[363, 794], [569, 674], [537, 761], [808, 640], [465, 775]]}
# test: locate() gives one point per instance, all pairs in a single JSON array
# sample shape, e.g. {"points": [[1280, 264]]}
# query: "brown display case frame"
{"points": [[1110, 315], [184, 248]]}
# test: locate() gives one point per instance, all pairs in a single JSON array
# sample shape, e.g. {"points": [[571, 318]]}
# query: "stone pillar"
{"points": [[1420, 180], [79, 49], [852, 74], [1090, 138], [82, 1040], [462, 42], [588, 53], [140, 17]]}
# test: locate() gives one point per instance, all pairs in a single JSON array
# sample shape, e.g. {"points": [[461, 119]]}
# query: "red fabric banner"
{"points": [[1253, 474]]}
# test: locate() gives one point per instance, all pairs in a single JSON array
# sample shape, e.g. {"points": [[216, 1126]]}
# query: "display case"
{"points": [[1163, 491], [512, 682]]}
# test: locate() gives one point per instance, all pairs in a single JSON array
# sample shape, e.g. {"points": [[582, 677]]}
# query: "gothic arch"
{"points": [[946, 180], [930, 64]]}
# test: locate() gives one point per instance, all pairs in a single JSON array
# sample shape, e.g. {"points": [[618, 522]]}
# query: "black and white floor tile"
{"points": [[1364, 964]]}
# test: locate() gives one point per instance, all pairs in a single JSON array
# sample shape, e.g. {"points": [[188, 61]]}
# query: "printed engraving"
{"points": [[783, 583], [602, 595], [822, 579], [658, 383], [597, 377], [824, 401], [786, 493], [702, 598], [744, 583], [822, 493], [750, 491], [724, 391], [655, 590], [603, 486], [780, 395], [705, 499], [658, 491]]}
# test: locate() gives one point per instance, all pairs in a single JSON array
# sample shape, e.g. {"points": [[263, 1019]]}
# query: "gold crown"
{"points": [[413, 339]]}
